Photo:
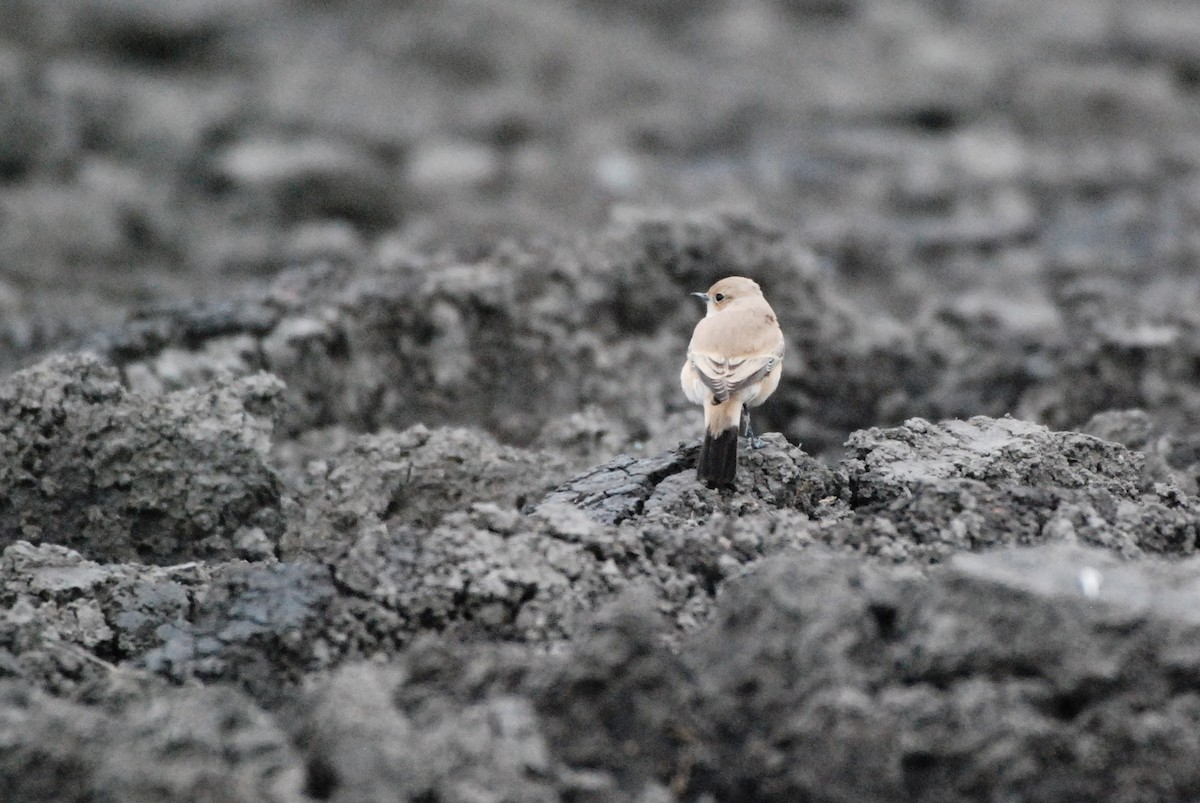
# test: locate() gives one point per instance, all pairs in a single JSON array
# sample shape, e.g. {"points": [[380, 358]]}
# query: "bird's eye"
{"points": [[719, 297]]}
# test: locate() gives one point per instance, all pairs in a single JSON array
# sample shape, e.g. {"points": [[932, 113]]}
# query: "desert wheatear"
{"points": [[734, 360]]}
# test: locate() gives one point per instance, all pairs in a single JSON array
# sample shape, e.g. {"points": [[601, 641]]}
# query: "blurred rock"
{"points": [[446, 166], [148, 32], [816, 666], [34, 126], [587, 435], [1137, 430], [180, 744], [259, 627], [303, 179], [953, 683]]}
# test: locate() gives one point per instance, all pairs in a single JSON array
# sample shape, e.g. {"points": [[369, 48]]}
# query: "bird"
{"points": [[734, 362]]}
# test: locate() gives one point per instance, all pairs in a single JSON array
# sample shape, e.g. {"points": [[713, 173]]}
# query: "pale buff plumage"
{"points": [[735, 358]]}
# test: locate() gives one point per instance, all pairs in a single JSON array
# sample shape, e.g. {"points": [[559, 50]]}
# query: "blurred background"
{"points": [[1022, 167]]}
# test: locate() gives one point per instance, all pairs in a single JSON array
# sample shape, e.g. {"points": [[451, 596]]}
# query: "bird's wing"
{"points": [[726, 376]]}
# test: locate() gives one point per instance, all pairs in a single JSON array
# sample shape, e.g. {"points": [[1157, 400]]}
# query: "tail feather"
{"points": [[717, 464]]}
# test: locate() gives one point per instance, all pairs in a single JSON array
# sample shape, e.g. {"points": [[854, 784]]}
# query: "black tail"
{"points": [[717, 464]]}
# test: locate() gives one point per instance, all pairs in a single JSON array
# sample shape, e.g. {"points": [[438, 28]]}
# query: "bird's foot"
{"points": [[752, 439], [747, 428]]}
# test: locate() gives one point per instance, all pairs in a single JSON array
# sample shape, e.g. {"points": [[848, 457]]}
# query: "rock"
{"points": [[449, 166], [179, 744], [588, 434], [1084, 96], [368, 737], [1011, 637], [31, 134], [120, 476], [69, 621], [260, 627], [618, 490], [1141, 433], [182, 24], [584, 703], [415, 477], [891, 463], [311, 179], [470, 561], [474, 582], [439, 341], [817, 667], [929, 490], [776, 476]]}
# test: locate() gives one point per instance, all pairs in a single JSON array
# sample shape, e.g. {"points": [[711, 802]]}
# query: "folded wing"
{"points": [[727, 376]]}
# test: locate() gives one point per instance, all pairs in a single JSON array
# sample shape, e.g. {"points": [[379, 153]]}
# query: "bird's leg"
{"points": [[748, 431]]}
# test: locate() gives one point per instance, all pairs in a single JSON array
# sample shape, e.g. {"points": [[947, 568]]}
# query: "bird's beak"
{"points": [[702, 295]]}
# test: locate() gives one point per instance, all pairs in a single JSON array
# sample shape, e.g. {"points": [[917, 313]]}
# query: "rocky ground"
{"points": [[343, 456]]}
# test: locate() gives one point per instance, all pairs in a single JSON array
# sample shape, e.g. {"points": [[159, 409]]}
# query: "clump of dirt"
{"points": [[928, 490], [942, 683], [121, 476]]}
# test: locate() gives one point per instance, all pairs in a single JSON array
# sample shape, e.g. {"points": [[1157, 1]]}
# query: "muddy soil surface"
{"points": [[342, 455]]}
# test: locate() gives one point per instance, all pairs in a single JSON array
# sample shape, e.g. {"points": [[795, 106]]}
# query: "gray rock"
{"points": [[68, 621], [310, 178], [32, 132], [191, 744], [415, 477], [515, 345], [826, 677], [369, 737], [121, 476], [816, 667], [260, 627], [930, 490], [774, 477], [623, 706], [1141, 433]]}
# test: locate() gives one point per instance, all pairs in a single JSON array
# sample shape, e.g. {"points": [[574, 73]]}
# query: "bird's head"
{"points": [[729, 290]]}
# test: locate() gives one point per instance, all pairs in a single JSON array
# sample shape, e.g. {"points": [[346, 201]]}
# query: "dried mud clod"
{"points": [[815, 666], [185, 744], [928, 679], [122, 476], [927, 491], [414, 477], [777, 476]]}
